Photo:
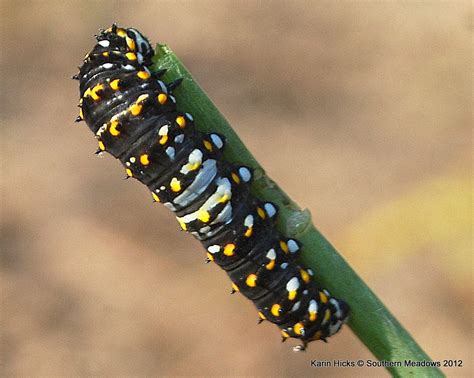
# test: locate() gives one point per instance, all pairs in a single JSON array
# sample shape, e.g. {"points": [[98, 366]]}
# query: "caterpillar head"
{"points": [[143, 46], [129, 39]]}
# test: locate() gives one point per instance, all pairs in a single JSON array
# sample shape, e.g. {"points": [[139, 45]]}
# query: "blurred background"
{"points": [[360, 111]]}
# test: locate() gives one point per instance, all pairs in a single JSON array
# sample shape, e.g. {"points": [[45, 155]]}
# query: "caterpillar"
{"points": [[134, 117]]}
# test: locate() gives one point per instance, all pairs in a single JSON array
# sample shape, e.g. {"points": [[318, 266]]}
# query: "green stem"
{"points": [[370, 320]]}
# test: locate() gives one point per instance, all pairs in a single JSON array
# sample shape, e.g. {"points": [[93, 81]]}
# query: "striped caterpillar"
{"points": [[134, 117]]}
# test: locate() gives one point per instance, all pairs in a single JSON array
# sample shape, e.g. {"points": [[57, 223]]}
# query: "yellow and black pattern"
{"points": [[134, 117]]}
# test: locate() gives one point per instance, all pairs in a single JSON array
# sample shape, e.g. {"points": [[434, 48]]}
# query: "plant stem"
{"points": [[370, 320]]}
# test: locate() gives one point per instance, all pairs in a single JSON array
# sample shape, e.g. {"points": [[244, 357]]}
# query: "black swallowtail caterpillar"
{"points": [[134, 117]]}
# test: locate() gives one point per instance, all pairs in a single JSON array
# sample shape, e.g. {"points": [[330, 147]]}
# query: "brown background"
{"points": [[369, 107]]}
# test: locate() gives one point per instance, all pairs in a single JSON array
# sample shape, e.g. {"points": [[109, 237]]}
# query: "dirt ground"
{"points": [[361, 111]]}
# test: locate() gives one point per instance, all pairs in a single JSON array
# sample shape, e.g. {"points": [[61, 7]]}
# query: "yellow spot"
{"points": [[131, 56], [155, 197], [270, 265], [203, 216], [260, 314], [193, 167], [292, 295], [208, 145], [236, 178], [251, 280], [229, 249], [162, 98], [284, 334], [101, 145], [136, 109], [114, 84], [144, 159], [81, 114], [129, 172], [283, 246], [130, 43], [275, 310], [299, 328], [323, 297], [249, 232], [121, 33], [235, 287], [105, 53], [94, 92], [210, 257], [260, 212], [175, 185], [224, 198], [305, 276], [312, 316], [143, 75], [181, 121], [327, 315], [183, 225], [113, 127], [164, 139]]}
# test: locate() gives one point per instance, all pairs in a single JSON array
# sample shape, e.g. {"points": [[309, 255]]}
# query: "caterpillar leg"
{"points": [[300, 348]]}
